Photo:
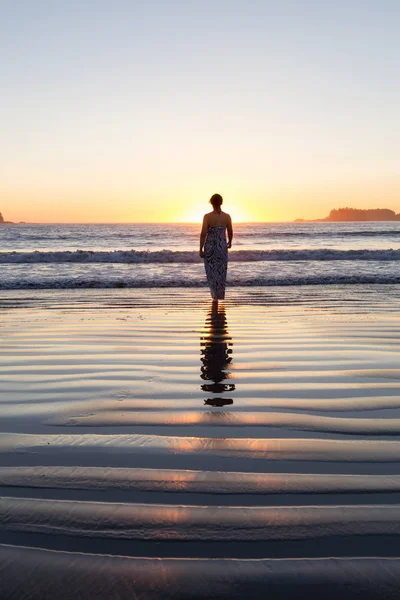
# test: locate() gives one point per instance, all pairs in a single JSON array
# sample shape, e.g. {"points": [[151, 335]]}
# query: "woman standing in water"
{"points": [[214, 246]]}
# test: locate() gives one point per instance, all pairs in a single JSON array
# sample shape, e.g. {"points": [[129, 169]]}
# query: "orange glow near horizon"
{"points": [[74, 203]]}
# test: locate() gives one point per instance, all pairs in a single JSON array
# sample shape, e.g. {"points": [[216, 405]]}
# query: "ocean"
{"points": [[166, 255]]}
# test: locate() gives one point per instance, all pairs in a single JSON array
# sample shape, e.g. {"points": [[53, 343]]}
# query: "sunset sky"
{"points": [[139, 111]]}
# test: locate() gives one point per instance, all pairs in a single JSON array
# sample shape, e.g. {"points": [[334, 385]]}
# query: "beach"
{"points": [[155, 444]]}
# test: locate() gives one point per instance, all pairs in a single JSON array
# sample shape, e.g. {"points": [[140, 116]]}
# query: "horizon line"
{"points": [[130, 222]]}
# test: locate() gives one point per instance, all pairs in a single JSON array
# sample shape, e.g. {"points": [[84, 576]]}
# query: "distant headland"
{"points": [[3, 222], [355, 214]]}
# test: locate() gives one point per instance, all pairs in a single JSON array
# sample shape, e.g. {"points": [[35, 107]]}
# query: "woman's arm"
{"points": [[203, 236], [230, 232]]}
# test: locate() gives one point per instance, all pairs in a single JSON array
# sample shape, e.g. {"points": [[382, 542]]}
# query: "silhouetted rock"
{"points": [[2, 221], [358, 214]]}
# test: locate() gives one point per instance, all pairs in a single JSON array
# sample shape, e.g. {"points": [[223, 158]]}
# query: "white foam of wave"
{"points": [[176, 256]]}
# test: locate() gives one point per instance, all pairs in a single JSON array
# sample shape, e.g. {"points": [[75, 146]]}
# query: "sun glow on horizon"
{"points": [[196, 214]]}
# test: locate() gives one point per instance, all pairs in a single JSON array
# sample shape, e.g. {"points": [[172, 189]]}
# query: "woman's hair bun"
{"points": [[216, 200]]}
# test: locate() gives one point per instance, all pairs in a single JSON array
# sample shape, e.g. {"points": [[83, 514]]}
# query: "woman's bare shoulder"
{"points": [[221, 219]]}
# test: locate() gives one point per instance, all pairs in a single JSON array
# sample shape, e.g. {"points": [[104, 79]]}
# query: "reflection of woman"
{"points": [[214, 246], [215, 356]]}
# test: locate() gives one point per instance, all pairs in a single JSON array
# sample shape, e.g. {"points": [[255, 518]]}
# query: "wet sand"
{"points": [[154, 444]]}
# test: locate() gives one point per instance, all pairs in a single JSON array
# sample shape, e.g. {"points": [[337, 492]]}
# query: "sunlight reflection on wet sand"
{"points": [[128, 422]]}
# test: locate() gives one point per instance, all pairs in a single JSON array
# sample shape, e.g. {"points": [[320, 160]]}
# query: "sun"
{"points": [[196, 214]]}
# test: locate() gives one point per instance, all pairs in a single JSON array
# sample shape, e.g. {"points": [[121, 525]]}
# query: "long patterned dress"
{"points": [[216, 260]]}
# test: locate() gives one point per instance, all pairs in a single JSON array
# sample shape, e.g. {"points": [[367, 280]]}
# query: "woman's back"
{"points": [[217, 219]]}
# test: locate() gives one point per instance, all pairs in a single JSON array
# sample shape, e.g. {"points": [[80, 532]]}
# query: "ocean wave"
{"points": [[335, 233], [127, 282], [177, 256]]}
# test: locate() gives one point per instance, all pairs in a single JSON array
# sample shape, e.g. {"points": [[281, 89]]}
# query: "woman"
{"points": [[214, 246]]}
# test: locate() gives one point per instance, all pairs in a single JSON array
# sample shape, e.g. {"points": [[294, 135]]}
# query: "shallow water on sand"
{"points": [[244, 445]]}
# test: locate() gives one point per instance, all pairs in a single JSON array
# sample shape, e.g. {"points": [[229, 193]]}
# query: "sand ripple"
{"points": [[238, 449]]}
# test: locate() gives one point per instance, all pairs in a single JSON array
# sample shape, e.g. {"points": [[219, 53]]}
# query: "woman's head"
{"points": [[216, 201]]}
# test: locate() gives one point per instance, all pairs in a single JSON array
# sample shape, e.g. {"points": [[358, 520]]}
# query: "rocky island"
{"points": [[3, 222], [338, 215]]}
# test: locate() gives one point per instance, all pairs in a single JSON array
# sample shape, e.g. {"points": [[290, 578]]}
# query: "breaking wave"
{"points": [[176, 256]]}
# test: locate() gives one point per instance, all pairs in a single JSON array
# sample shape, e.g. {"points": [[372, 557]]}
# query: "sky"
{"points": [[138, 111]]}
